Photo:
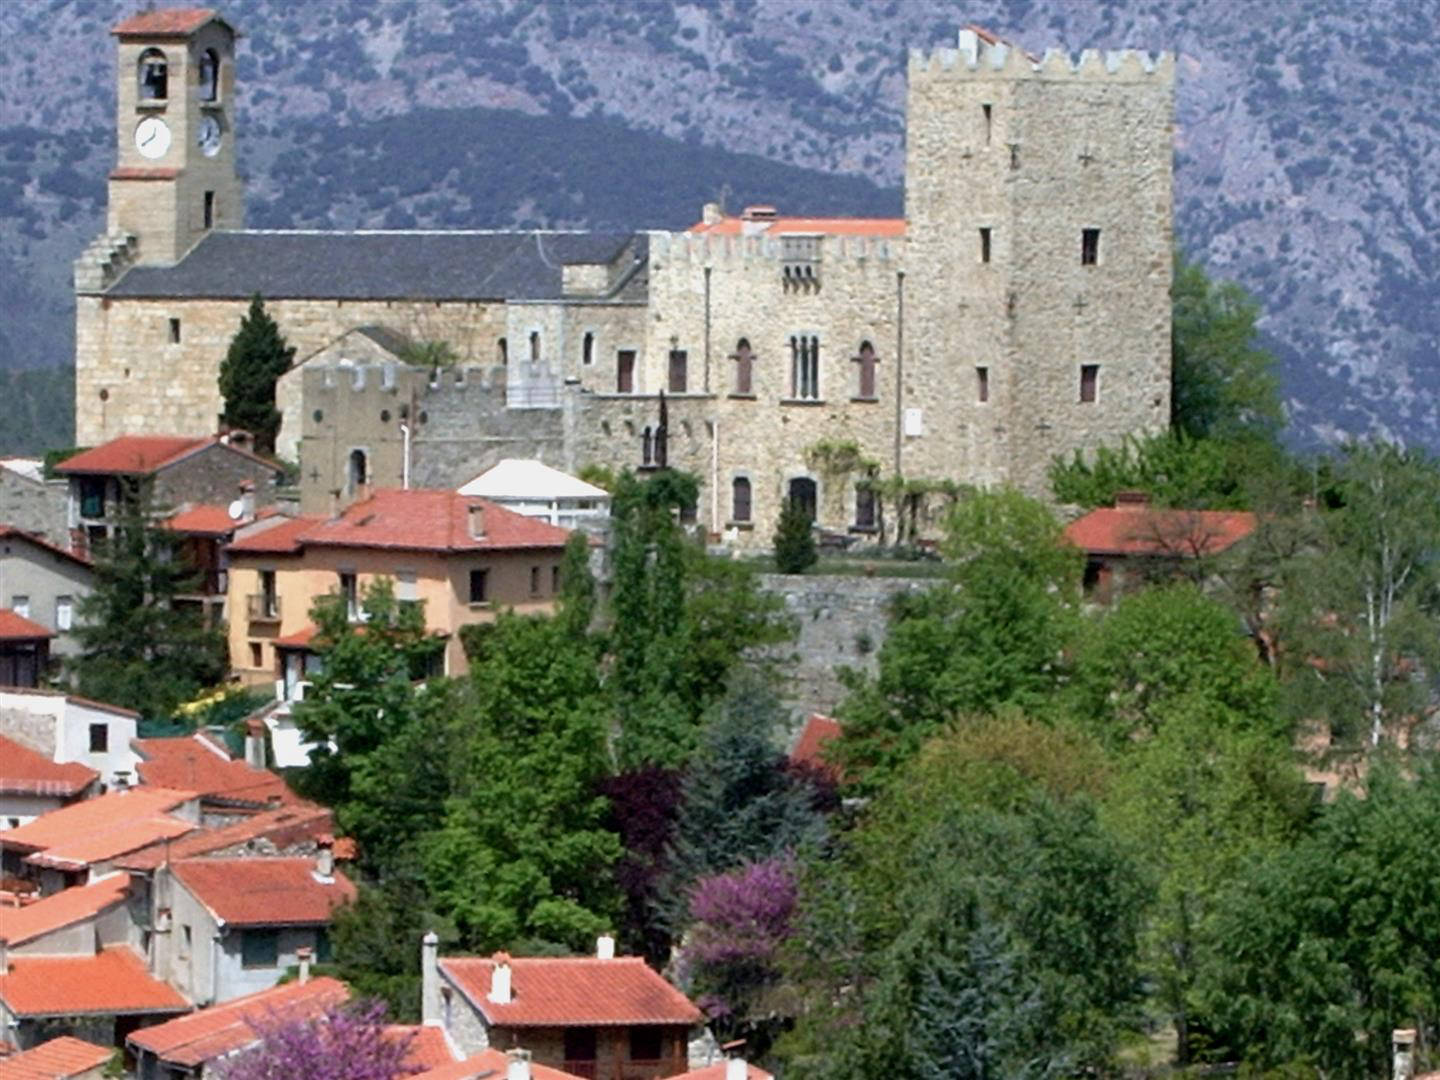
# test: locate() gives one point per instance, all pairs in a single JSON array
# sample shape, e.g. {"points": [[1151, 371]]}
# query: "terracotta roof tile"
{"points": [[282, 827], [818, 732], [717, 1072], [824, 226], [279, 536], [264, 891], [58, 1059], [131, 454], [222, 1029], [99, 829], [300, 639], [68, 906], [429, 1048], [191, 763], [166, 22], [559, 991], [204, 520], [9, 532], [489, 1065], [1139, 530], [114, 980], [26, 772], [15, 627]]}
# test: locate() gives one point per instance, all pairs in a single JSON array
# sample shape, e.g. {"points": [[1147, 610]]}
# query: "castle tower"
{"points": [[175, 176], [1039, 245]]}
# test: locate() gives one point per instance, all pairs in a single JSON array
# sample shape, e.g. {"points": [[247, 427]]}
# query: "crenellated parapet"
{"points": [[704, 249], [980, 55], [102, 263]]}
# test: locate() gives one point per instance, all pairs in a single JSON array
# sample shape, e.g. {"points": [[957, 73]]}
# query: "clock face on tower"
{"points": [[209, 136], [152, 137]]}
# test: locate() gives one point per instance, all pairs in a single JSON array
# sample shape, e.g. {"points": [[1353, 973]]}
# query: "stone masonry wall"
{"points": [[33, 507]]}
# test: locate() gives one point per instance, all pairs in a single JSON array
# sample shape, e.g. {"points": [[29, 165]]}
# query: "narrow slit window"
{"points": [[1089, 382], [209, 211], [587, 350], [989, 121], [1014, 155], [502, 352], [985, 244], [174, 331], [982, 384], [534, 346], [679, 361], [1089, 247]]}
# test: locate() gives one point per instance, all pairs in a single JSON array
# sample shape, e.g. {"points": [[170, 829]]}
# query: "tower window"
{"points": [[1014, 155], [744, 365], [1089, 247], [209, 76], [587, 350], [502, 352], [153, 76], [174, 331], [679, 362], [625, 371], [534, 346], [982, 384], [867, 361], [1089, 382], [986, 111], [357, 472], [985, 244], [740, 499], [209, 209], [805, 367]]}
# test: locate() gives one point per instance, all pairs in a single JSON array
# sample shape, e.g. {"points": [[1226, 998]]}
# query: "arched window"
{"points": [[740, 499], [867, 361], [209, 76], [803, 493], [357, 470], [153, 76], [744, 368]]}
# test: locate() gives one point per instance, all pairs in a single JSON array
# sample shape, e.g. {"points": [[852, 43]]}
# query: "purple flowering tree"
{"points": [[346, 1042], [730, 956]]}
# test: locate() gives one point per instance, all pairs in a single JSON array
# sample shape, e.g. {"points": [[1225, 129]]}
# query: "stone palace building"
{"points": [[1019, 311]]}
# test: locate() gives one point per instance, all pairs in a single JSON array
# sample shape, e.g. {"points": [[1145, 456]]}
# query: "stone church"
{"points": [[1020, 310]]}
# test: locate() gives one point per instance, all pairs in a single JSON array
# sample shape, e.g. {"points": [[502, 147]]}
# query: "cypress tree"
{"points": [[257, 357], [794, 542]]}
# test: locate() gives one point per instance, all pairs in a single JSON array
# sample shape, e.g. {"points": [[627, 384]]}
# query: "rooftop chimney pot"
{"points": [[477, 521], [605, 947], [501, 992], [517, 1065], [325, 860], [303, 954], [1402, 1043], [430, 978]]}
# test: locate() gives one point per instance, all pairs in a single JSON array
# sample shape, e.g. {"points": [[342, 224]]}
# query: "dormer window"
{"points": [[153, 76], [209, 76]]}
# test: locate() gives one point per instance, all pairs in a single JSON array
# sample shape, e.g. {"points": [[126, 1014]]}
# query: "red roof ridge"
{"points": [[168, 22], [144, 455], [299, 816]]}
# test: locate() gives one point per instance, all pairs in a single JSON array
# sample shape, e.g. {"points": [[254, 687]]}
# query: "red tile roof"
{"points": [[204, 520], [195, 764], [114, 980], [26, 772], [300, 639], [168, 22], [9, 532], [255, 891], [61, 909], [429, 1048], [281, 827], [1139, 530], [489, 1065], [58, 1059], [825, 226], [223, 1029], [142, 455], [100, 829], [413, 520], [717, 1072], [818, 732], [560, 991], [15, 627]]}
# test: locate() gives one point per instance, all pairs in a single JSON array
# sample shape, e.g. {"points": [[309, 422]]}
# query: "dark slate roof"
{"points": [[377, 265], [391, 341]]}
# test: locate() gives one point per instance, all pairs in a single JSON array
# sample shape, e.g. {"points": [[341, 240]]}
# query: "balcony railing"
{"points": [[263, 607]]}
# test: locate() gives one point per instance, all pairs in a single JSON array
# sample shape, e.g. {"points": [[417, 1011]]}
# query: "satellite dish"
{"points": [[236, 510]]}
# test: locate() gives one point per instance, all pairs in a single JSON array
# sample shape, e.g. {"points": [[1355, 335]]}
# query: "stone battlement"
{"points": [[710, 250], [100, 265], [980, 55]]}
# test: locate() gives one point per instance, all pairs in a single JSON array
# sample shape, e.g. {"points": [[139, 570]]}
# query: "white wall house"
{"points": [[536, 490], [66, 728]]}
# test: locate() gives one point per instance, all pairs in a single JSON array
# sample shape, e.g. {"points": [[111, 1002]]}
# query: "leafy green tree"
{"points": [[794, 540], [257, 357], [1332, 943], [1165, 646], [1223, 384], [1363, 602], [978, 923], [523, 857], [578, 592], [992, 636], [138, 647], [738, 802]]}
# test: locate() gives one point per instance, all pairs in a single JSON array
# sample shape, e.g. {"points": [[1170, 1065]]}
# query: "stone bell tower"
{"points": [[174, 178]]}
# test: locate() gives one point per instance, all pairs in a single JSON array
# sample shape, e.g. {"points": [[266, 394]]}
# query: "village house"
{"points": [[24, 650], [228, 787], [44, 583], [67, 728], [31, 784], [64, 1058], [602, 1017], [31, 502], [463, 558]]}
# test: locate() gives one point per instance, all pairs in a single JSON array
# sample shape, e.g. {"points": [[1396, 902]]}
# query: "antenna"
{"points": [[236, 509]]}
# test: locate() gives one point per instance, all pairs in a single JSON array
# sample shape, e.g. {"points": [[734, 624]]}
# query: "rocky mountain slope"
{"points": [[1308, 144]]}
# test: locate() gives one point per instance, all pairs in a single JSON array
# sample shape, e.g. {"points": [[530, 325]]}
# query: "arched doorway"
{"points": [[356, 471], [802, 492]]}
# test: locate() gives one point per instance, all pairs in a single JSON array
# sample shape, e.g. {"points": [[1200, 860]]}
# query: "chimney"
{"points": [[517, 1065], [303, 954], [121, 782], [735, 1067], [711, 214], [430, 978], [4, 957], [1131, 500], [500, 993], [336, 507], [273, 800], [255, 750], [605, 947], [477, 521], [247, 501], [325, 859], [1402, 1043]]}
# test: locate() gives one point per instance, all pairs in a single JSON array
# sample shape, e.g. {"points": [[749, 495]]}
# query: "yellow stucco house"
{"points": [[464, 557]]}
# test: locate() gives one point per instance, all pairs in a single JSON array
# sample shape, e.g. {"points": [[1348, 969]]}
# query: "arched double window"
{"points": [[209, 75], [153, 80], [805, 367]]}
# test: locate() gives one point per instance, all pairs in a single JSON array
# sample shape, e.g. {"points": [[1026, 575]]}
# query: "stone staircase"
{"points": [[101, 264]]}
